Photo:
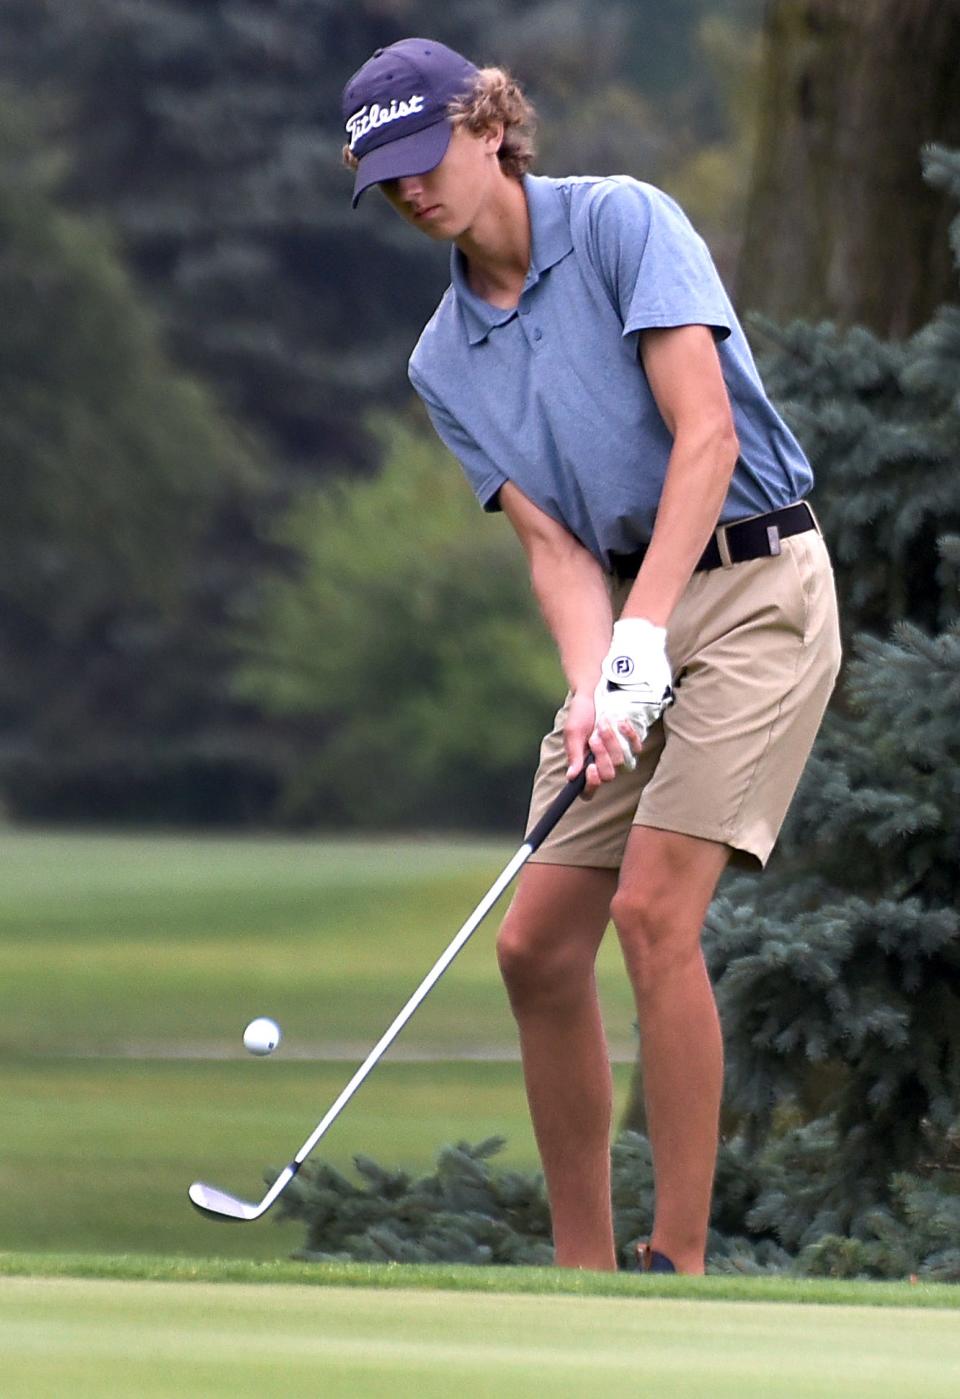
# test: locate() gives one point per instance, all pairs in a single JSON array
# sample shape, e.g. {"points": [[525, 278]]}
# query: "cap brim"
{"points": [[408, 155]]}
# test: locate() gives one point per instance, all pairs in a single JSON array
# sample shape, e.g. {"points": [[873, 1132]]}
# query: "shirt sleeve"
{"points": [[655, 266], [484, 477]]}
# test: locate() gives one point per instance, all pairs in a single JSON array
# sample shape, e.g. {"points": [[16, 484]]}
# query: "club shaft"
{"points": [[218, 1203], [426, 985]]}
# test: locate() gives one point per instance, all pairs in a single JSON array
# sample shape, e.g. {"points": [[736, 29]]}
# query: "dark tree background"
{"points": [[196, 145], [209, 133], [840, 223], [199, 142]]}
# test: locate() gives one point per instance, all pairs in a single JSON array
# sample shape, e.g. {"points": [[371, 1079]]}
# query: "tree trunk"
{"points": [[840, 224]]}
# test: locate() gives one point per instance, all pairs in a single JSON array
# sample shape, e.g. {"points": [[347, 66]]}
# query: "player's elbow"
{"points": [[724, 444], [713, 438], [552, 555], [730, 451]]}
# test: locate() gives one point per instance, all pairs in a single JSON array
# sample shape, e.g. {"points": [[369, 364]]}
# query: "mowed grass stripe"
{"points": [[104, 1000], [88, 862], [159, 1340], [450, 1277], [98, 1154], [108, 941]]}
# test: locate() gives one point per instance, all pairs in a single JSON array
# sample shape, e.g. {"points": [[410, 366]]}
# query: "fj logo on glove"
{"points": [[622, 667]]}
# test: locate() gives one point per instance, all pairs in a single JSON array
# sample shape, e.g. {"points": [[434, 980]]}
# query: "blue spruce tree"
{"points": [[838, 973]]}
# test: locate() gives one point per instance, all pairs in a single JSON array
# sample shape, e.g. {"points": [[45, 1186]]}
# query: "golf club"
{"points": [[218, 1204]]}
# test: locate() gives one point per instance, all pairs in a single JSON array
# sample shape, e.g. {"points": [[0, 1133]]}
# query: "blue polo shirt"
{"points": [[551, 394]]}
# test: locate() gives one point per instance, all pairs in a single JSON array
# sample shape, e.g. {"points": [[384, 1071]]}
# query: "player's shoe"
{"points": [[650, 1261]]}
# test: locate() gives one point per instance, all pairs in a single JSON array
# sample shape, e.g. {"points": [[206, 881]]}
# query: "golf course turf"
{"points": [[87, 1326], [130, 967], [130, 1267]]}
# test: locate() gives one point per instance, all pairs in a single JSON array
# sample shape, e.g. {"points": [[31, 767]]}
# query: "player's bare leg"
{"points": [[666, 883], [547, 948]]}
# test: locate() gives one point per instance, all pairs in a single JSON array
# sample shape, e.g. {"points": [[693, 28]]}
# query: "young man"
{"points": [[589, 372]]}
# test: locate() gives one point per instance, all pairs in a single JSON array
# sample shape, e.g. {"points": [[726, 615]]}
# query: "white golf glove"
{"points": [[635, 681]]}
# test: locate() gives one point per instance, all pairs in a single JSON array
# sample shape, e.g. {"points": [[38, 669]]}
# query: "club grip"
{"points": [[561, 803]]}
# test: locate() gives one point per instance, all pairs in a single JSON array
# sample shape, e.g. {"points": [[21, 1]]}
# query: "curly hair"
{"points": [[495, 97], [498, 97]]}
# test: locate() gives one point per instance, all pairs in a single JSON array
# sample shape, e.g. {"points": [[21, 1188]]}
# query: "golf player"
{"points": [[587, 369]]}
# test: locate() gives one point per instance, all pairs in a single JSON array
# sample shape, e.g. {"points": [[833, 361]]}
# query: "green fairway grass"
{"points": [[461, 1277], [130, 965], [99, 1153], [152, 1340], [170, 944]]}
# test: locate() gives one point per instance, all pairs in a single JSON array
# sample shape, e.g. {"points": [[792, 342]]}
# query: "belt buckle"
{"points": [[723, 546]]}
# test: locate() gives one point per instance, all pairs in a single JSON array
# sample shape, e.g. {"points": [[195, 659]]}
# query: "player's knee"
{"points": [[654, 933], [524, 960], [536, 969]]}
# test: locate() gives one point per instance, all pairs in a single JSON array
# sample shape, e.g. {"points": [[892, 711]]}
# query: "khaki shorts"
{"points": [[754, 649]]}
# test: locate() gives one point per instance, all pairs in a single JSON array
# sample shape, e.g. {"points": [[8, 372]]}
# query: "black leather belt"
{"points": [[756, 538]]}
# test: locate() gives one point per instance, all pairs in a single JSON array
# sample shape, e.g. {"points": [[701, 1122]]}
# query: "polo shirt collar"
{"points": [[550, 241]]}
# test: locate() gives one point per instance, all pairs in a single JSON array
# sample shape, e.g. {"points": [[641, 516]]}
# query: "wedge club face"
{"points": [[217, 1204]]}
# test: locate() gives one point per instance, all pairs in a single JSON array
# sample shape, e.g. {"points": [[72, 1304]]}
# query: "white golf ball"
{"points": [[262, 1035]]}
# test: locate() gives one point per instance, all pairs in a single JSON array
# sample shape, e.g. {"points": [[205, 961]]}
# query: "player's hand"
{"points": [[577, 729], [580, 725], [635, 688]]}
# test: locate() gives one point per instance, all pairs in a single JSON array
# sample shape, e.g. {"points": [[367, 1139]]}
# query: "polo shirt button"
{"points": [[538, 334], [524, 310]]}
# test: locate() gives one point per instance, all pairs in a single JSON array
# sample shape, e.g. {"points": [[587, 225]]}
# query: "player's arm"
{"points": [[684, 375], [572, 592], [683, 371]]}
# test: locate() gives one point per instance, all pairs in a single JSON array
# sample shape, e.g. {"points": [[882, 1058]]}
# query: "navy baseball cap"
{"points": [[395, 109]]}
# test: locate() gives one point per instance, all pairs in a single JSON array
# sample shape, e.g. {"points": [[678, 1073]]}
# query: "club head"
{"points": [[217, 1204]]}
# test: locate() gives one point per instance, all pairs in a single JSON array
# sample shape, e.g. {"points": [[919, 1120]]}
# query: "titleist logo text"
{"points": [[369, 118]]}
